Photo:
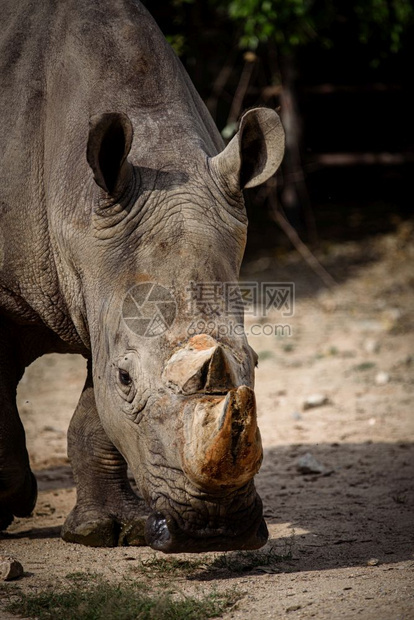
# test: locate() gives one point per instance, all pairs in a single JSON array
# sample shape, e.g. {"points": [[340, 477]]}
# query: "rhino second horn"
{"points": [[222, 448], [220, 376], [201, 366]]}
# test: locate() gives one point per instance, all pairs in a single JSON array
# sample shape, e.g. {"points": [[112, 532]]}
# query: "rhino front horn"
{"points": [[222, 448]]}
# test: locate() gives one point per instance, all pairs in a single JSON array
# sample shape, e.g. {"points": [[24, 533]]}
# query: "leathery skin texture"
{"points": [[115, 183]]}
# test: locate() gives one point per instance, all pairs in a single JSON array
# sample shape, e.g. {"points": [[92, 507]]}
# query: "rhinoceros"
{"points": [[117, 195]]}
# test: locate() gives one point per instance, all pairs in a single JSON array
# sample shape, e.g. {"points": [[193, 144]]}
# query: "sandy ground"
{"points": [[349, 530]]}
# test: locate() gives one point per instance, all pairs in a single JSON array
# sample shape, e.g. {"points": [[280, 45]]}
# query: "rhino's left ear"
{"points": [[255, 152], [109, 142]]}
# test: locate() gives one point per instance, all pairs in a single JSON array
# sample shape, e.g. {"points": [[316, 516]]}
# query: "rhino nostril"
{"points": [[157, 534], [239, 535]]}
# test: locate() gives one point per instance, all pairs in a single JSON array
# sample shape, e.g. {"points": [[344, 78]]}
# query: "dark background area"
{"points": [[348, 87]]}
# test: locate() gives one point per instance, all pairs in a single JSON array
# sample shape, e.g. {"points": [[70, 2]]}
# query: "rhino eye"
{"points": [[124, 377]]}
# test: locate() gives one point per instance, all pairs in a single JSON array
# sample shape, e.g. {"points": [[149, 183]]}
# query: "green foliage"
{"points": [[100, 600], [288, 22], [177, 42], [385, 20], [201, 30], [293, 23]]}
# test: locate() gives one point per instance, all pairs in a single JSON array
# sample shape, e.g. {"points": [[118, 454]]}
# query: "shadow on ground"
{"points": [[34, 533], [361, 508], [361, 511], [53, 478]]}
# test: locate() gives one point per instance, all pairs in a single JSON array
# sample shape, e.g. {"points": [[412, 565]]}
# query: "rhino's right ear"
{"points": [[255, 152], [109, 142]]}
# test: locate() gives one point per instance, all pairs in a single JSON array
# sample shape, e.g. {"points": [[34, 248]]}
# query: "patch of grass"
{"points": [[400, 498], [170, 567], [268, 559], [81, 576], [101, 600], [8, 588], [364, 366], [245, 561]]}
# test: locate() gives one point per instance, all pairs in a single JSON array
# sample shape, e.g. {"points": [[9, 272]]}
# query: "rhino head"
{"points": [[179, 404]]}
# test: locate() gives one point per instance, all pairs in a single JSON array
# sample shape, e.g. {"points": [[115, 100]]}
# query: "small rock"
{"points": [[307, 464], [382, 378], [373, 562], [296, 416], [10, 568], [293, 608], [315, 400], [371, 346]]}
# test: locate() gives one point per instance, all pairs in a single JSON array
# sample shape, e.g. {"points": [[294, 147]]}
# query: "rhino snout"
{"points": [[222, 447], [163, 534]]}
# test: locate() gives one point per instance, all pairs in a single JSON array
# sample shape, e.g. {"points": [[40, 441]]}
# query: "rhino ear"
{"points": [[255, 152], [109, 142]]}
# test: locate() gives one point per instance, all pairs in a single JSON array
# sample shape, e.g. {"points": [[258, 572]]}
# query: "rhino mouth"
{"points": [[163, 532]]}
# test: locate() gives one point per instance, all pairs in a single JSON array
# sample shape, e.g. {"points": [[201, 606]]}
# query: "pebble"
{"points": [[371, 345], [382, 378], [307, 464], [10, 568], [373, 562], [315, 400]]}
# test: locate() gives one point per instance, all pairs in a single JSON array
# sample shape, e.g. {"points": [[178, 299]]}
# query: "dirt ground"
{"points": [[346, 533]]}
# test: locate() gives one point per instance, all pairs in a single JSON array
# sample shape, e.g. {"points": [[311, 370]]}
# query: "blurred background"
{"points": [[341, 73]]}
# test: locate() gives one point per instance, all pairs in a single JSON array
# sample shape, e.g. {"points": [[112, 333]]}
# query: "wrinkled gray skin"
{"points": [[112, 173]]}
